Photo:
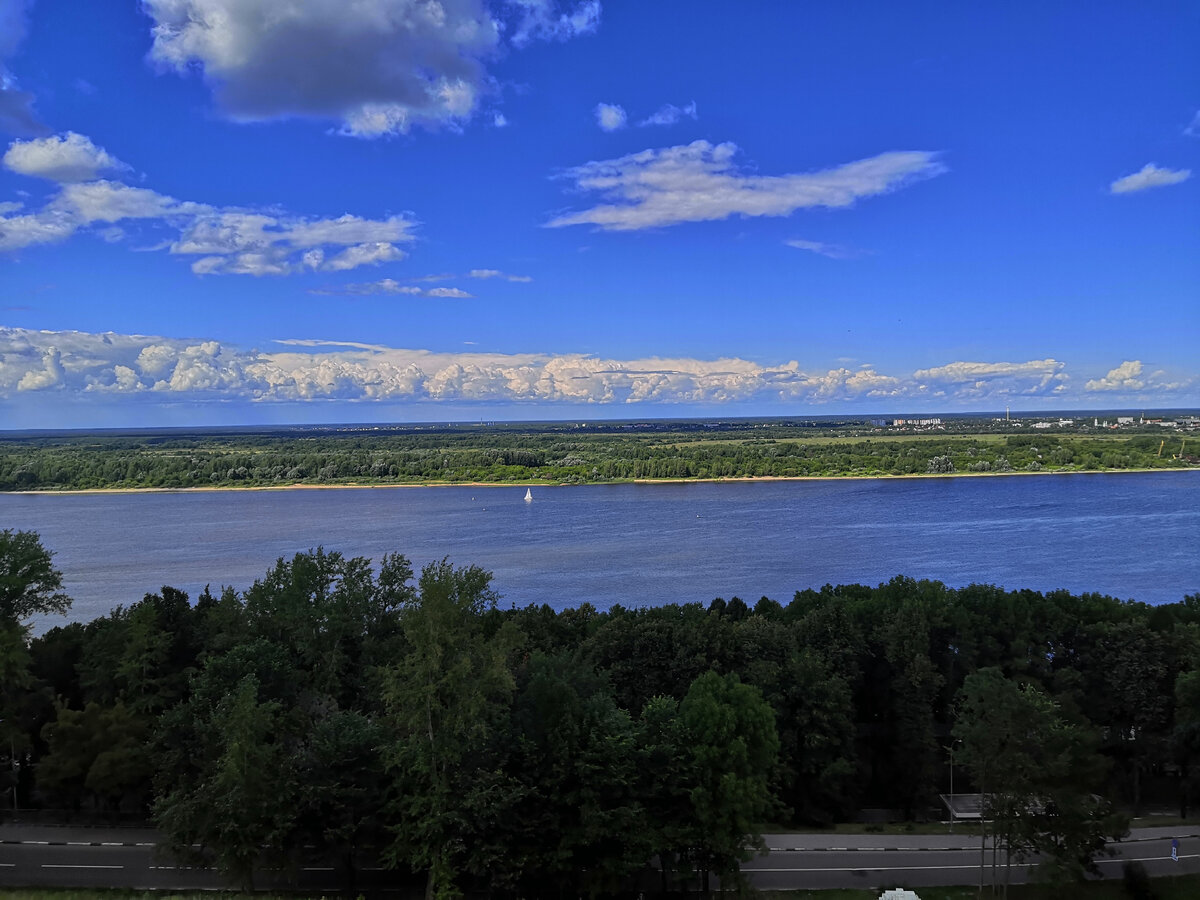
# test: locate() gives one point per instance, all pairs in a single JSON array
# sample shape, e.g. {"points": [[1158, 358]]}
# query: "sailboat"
{"points": [[528, 495]]}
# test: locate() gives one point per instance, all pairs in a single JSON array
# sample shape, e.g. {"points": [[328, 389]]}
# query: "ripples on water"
{"points": [[1130, 535]]}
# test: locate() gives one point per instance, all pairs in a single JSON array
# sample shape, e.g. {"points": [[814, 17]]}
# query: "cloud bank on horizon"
{"points": [[82, 364], [414, 173]]}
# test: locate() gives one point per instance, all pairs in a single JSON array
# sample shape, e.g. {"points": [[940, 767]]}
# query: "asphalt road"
{"points": [[88, 857], [882, 861]]}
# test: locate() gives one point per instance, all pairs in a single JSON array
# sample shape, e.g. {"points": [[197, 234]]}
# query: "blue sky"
{"points": [[226, 211]]}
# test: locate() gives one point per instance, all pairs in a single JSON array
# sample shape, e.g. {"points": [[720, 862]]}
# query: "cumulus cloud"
{"points": [[1150, 176], [16, 106], [76, 363], [978, 380], [227, 240], [1193, 127], [699, 182], [669, 114], [65, 157], [1123, 378], [377, 67], [610, 117], [833, 251]]}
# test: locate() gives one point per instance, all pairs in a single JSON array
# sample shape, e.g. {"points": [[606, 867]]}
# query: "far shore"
{"points": [[300, 486]]}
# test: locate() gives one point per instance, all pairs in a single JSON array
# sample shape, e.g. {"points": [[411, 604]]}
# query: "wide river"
{"points": [[1133, 535]]}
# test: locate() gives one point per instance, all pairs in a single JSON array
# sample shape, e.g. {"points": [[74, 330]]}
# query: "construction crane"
{"points": [[1179, 455], [1160, 446]]}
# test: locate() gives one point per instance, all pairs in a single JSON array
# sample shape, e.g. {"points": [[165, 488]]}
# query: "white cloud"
{"points": [[1193, 127], [45, 227], [227, 240], [833, 251], [543, 20], [610, 117], [75, 363], [979, 380], [50, 375], [389, 286], [65, 157], [1123, 378], [669, 114], [364, 255], [698, 182], [1150, 176], [376, 66], [499, 120], [496, 273]]}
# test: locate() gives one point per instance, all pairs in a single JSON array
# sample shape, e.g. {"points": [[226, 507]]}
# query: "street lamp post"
{"points": [[952, 808]]}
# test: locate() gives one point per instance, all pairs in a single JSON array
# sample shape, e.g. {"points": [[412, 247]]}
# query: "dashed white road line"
{"points": [[66, 866], [944, 868]]}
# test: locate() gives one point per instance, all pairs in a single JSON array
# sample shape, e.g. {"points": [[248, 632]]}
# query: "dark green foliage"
{"points": [[557, 453], [731, 743], [354, 709], [29, 583], [98, 754]]}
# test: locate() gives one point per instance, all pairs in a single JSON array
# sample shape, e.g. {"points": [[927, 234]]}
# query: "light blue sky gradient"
{"points": [[211, 212]]}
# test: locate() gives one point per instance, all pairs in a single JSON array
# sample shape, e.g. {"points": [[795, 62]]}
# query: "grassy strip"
{"points": [[120, 894], [1178, 887]]}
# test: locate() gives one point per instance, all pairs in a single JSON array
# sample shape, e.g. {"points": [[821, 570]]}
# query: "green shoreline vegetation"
{"points": [[558, 453], [370, 713]]}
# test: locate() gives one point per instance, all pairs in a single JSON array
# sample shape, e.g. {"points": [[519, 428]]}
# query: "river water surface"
{"points": [[1133, 535]]}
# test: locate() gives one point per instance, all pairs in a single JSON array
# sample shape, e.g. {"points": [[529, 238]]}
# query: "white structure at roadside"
{"points": [[898, 894]]}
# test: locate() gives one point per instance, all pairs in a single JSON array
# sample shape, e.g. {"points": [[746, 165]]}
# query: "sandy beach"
{"points": [[301, 486]]}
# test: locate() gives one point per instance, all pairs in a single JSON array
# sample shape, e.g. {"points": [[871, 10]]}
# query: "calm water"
{"points": [[1132, 536]]}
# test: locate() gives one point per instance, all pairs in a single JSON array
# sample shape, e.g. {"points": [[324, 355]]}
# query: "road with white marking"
{"points": [[89, 857]]}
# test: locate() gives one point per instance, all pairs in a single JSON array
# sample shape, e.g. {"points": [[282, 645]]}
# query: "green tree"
{"points": [[1186, 737], [29, 583], [445, 699], [666, 781], [575, 759], [730, 730], [1036, 771], [245, 798], [98, 753], [29, 586]]}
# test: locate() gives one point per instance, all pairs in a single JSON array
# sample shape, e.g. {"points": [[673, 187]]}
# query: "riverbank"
{"points": [[748, 479]]}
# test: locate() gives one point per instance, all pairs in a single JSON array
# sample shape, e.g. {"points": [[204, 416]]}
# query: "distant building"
{"points": [[1124, 420]]}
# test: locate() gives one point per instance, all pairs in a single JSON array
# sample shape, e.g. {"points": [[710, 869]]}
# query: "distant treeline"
{"points": [[360, 709], [553, 456]]}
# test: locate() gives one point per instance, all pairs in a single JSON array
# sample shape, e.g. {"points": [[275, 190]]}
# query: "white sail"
{"points": [[528, 494]]}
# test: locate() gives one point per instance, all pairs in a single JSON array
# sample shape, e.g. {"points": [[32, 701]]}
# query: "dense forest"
{"points": [[565, 454], [372, 712]]}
